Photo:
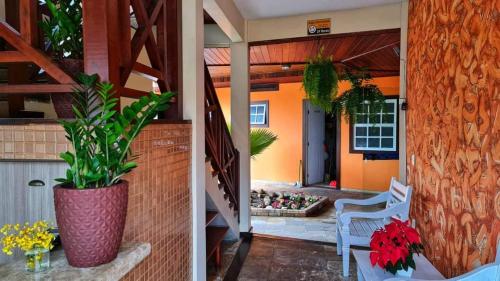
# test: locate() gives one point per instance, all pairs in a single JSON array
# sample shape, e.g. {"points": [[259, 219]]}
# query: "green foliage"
{"points": [[63, 29], [260, 140], [361, 93], [320, 81], [101, 136]]}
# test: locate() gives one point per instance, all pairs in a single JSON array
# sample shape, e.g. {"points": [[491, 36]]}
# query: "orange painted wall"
{"points": [[357, 173], [281, 162]]}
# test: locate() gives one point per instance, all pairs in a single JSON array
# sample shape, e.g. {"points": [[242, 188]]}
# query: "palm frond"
{"points": [[260, 140]]}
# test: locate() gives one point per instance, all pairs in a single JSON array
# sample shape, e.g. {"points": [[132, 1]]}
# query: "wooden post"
{"points": [[28, 17], [101, 42], [169, 38]]}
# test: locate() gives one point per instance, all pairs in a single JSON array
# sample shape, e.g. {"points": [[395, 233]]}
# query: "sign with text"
{"points": [[319, 26]]}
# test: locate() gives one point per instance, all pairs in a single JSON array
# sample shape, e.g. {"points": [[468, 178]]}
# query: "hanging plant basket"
{"points": [[320, 81], [356, 99]]}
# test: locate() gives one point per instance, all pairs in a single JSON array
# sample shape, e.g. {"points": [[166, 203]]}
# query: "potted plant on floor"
{"points": [[393, 246], [91, 202], [63, 32]]}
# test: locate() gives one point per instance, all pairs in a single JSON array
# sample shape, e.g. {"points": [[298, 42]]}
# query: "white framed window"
{"points": [[376, 132], [259, 114]]}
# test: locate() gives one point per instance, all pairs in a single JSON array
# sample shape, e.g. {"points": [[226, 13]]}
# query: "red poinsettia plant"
{"points": [[393, 246]]}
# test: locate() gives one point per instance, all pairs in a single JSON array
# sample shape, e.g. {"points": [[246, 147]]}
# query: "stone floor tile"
{"points": [[293, 260]]}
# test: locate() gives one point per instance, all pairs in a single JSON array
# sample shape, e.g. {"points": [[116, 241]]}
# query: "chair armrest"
{"points": [[345, 218], [382, 197]]}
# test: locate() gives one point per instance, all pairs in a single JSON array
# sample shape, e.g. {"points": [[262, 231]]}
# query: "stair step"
{"points": [[211, 215], [215, 235]]}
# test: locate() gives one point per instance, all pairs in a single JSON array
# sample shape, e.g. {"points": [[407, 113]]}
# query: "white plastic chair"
{"points": [[358, 232]]}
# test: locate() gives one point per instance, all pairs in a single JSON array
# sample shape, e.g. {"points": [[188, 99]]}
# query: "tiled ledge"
{"points": [[45, 141], [130, 255]]}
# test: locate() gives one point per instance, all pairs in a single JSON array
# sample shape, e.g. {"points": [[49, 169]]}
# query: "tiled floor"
{"points": [[320, 227], [229, 249], [276, 260]]}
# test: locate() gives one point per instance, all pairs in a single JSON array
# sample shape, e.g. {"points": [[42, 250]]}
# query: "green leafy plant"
{"points": [[101, 136], [361, 94], [260, 140], [320, 81], [63, 29]]}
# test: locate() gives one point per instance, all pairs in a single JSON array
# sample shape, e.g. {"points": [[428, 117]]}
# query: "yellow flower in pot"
{"points": [[34, 240], [91, 202]]}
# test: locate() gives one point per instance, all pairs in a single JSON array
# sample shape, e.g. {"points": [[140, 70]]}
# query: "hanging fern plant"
{"points": [[356, 99], [320, 81]]}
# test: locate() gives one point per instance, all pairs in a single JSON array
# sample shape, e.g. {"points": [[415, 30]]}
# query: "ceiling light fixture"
{"points": [[286, 66]]}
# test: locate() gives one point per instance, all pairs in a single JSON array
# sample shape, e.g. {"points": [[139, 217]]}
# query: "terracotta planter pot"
{"points": [[91, 222], [63, 102]]}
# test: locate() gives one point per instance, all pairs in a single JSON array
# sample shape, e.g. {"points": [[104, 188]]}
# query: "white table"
{"points": [[367, 272]]}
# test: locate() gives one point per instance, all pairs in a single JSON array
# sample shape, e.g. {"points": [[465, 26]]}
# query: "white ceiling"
{"points": [[257, 9]]}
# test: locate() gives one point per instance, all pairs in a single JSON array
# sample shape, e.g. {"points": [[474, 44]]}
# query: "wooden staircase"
{"points": [[222, 174], [219, 147], [215, 236]]}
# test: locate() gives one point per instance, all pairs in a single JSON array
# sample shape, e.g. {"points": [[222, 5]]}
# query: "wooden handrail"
{"points": [[219, 145]]}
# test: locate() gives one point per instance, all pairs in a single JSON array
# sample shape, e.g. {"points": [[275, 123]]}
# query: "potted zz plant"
{"points": [[393, 246], [91, 201]]}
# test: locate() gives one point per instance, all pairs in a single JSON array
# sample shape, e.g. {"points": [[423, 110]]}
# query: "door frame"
{"points": [[304, 146]]}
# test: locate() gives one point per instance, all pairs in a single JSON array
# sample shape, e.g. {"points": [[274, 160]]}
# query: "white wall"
{"points": [[345, 21], [193, 107], [228, 17]]}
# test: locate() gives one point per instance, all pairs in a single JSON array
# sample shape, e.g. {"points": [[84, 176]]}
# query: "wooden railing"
{"points": [[219, 146], [109, 48]]}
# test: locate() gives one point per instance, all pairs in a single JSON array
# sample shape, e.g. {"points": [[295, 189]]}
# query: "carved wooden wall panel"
{"points": [[454, 129]]}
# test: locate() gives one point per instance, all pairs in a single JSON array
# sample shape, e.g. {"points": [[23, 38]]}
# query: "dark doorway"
{"points": [[332, 149]]}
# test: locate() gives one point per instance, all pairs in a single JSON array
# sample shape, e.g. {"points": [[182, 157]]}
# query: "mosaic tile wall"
{"points": [[454, 130], [159, 210], [32, 141]]}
